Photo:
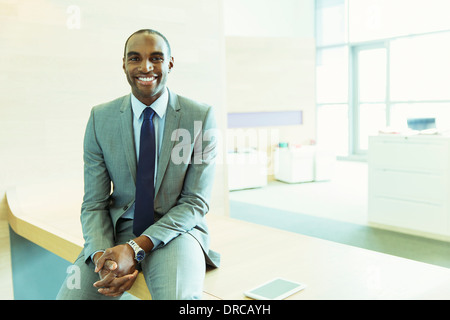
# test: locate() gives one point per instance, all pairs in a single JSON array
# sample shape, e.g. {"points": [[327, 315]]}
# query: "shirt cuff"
{"points": [[155, 241], [92, 255]]}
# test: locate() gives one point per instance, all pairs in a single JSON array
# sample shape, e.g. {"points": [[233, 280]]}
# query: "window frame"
{"points": [[354, 153]]}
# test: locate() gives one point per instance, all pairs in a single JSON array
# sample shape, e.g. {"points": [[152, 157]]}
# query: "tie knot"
{"points": [[148, 113]]}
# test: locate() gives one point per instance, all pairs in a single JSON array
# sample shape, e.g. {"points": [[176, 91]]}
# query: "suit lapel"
{"points": [[172, 123], [126, 128]]}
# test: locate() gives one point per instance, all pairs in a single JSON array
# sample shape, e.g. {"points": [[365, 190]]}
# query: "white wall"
{"points": [[58, 58], [270, 62], [269, 18]]}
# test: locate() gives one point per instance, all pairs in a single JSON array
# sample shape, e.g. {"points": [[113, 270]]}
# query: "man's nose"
{"points": [[146, 66]]}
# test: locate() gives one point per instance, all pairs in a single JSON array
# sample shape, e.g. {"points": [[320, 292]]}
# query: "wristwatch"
{"points": [[139, 253]]}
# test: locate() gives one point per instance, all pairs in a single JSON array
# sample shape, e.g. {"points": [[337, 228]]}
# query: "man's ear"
{"points": [[123, 64], [171, 64]]}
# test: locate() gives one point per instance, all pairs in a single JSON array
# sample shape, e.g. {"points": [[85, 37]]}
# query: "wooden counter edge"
{"points": [[59, 246]]}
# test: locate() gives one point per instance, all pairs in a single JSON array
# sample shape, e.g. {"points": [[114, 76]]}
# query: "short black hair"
{"points": [[150, 31]]}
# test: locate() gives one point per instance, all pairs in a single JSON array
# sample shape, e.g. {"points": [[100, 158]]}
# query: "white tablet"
{"points": [[275, 289]]}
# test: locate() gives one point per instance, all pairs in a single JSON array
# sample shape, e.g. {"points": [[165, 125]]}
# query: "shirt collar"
{"points": [[159, 106]]}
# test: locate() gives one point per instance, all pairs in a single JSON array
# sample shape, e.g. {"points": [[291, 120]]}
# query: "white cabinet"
{"points": [[303, 164], [294, 165], [409, 184], [247, 170]]}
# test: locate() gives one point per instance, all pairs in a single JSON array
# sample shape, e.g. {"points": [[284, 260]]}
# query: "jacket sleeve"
{"points": [[95, 218]]}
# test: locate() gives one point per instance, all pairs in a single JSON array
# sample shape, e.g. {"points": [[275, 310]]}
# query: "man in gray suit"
{"points": [[172, 252]]}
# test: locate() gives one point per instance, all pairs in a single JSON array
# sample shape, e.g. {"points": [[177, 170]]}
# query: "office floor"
{"points": [[343, 197], [334, 210]]}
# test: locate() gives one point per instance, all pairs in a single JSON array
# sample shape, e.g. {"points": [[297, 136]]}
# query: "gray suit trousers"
{"points": [[175, 271]]}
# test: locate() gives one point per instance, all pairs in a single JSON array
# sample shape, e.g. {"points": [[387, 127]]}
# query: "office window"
{"points": [[330, 22], [332, 57], [420, 68], [372, 75], [379, 19], [382, 61], [369, 100], [372, 117]]}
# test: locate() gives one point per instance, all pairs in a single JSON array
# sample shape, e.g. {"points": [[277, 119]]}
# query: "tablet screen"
{"points": [[275, 288]]}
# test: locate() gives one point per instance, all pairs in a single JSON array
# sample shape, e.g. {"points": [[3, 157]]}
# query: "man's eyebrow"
{"points": [[157, 53], [134, 53]]}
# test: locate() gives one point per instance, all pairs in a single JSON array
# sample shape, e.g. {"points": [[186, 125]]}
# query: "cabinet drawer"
{"points": [[417, 215], [409, 155], [404, 184]]}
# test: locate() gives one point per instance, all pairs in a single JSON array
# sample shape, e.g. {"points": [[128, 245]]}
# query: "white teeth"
{"points": [[147, 79]]}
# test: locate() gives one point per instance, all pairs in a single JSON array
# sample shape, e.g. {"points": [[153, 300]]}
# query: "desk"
{"points": [[48, 215]]}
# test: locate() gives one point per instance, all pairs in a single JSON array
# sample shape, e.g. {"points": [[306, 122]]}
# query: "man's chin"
{"points": [[146, 94]]}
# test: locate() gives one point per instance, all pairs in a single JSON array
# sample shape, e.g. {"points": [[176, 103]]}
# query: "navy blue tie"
{"points": [[145, 188]]}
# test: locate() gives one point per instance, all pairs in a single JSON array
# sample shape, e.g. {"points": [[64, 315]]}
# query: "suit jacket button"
{"points": [[125, 208]]}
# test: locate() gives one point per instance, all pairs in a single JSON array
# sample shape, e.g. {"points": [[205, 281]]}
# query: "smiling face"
{"points": [[147, 63]]}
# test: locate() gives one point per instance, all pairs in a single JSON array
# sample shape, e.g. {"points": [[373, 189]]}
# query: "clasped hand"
{"points": [[117, 270]]}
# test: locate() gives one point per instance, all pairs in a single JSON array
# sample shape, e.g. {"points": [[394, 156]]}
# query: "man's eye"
{"points": [[157, 59], [134, 59]]}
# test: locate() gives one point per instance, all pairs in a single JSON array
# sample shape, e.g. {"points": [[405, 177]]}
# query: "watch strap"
{"points": [[136, 248]]}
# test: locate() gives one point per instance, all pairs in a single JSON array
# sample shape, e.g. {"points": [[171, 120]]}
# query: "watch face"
{"points": [[140, 255]]}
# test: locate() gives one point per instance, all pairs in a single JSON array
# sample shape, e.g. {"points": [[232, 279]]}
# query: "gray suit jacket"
{"points": [[184, 175]]}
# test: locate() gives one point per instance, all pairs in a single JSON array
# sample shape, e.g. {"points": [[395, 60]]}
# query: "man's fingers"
{"points": [[120, 281], [118, 285], [110, 265], [104, 262], [99, 263], [131, 278], [105, 280], [110, 292]]}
